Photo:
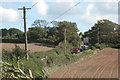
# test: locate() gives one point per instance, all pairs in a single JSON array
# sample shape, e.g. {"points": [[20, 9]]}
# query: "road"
{"points": [[102, 65]]}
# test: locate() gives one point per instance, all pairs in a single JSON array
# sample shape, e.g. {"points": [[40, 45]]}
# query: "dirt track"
{"points": [[102, 65]]}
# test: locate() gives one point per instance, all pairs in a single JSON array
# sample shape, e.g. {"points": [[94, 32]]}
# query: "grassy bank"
{"points": [[43, 63]]}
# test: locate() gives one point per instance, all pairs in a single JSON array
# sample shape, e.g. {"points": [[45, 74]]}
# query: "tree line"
{"points": [[104, 31], [45, 32]]}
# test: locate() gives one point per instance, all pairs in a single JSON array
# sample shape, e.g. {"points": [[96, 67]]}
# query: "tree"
{"points": [[54, 23], [36, 33], [13, 32], [4, 32], [40, 23], [71, 31], [102, 32]]}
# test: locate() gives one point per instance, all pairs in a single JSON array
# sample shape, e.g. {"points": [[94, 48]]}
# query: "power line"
{"points": [[67, 11], [34, 4], [63, 12]]}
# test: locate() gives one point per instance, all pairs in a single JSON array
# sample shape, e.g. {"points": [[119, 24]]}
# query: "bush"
{"points": [[97, 45], [17, 52], [93, 47], [101, 46], [89, 51], [116, 46]]}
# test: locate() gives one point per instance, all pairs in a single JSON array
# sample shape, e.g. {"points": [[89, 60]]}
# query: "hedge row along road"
{"points": [[102, 65]]}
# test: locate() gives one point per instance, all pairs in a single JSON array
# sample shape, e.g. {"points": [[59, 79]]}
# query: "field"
{"points": [[31, 47], [102, 65]]}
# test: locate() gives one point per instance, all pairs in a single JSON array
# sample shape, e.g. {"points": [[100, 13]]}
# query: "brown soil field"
{"points": [[103, 65], [31, 47]]}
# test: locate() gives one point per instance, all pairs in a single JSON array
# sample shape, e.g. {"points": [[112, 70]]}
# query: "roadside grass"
{"points": [[55, 59], [39, 61]]}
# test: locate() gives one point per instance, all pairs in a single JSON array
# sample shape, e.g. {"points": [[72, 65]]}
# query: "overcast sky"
{"points": [[85, 14]]}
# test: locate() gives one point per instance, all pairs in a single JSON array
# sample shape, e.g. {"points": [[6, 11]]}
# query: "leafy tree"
{"points": [[55, 23], [36, 33], [80, 34], [40, 23], [103, 31], [4, 32], [71, 31], [14, 32]]}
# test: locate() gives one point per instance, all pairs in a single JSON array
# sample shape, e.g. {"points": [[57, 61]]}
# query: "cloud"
{"points": [[86, 13], [61, 6], [42, 7], [65, 1], [98, 11], [8, 15]]}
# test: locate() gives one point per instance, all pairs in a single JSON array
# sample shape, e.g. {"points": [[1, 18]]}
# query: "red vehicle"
{"points": [[75, 50]]}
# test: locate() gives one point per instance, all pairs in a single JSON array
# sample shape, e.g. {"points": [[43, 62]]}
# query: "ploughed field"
{"points": [[102, 65], [31, 47]]}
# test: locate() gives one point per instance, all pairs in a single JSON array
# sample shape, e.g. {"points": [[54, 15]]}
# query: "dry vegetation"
{"points": [[32, 47]]}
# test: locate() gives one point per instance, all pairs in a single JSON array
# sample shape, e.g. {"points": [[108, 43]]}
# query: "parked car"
{"points": [[76, 50]]}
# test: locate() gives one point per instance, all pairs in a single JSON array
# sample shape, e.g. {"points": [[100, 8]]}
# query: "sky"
{"points": [[86, 14]]}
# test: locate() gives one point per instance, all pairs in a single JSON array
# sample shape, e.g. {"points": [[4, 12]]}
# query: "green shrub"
{"points": [[89, 51], [116, 46], [17, 52], [97, 45], [103, 45], [93, 47]]}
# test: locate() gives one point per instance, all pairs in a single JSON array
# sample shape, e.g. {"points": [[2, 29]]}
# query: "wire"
{"points": [[34, 4], [63, 12], [67, 11]]}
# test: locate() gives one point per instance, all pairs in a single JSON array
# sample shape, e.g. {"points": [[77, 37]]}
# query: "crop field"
{"points": [[31, 47], [102, 65]]}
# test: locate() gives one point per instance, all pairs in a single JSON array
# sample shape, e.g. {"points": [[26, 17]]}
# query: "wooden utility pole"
{"points": [[24, 14], [65, 41], [98, 34]]}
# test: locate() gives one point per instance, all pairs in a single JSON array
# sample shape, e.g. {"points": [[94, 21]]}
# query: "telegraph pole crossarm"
{"points": [[24, 14]]}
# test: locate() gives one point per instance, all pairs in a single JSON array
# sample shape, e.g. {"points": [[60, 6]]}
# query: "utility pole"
{"points": [[24, 14], [98, 34], [65, 41]]}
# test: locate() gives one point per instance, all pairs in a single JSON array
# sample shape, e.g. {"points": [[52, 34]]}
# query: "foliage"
{"points": [[38, 62], [89, 51], [17, 52], [71, 31], [14, 70], [44, 32], [104, 31], [40, 23], [17, 67], [97, 45], [101, 46], [93, 47], [12, 32], [36, 33]]}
